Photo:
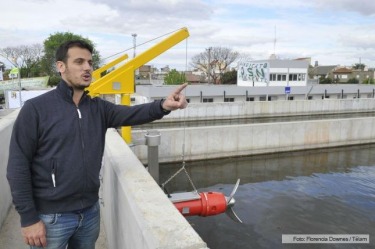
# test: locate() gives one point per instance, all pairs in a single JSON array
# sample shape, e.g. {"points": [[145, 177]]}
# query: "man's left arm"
{"points": [[144, 113]]}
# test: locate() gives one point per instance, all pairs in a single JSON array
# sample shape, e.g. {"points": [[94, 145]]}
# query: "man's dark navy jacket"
{"points": [[56, 150]]}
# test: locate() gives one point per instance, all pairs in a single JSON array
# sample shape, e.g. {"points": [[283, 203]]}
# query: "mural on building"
{"points": [[253, 73]]}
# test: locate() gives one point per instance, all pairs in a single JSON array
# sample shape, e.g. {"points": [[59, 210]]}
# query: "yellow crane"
{"points": [[121, 80]]}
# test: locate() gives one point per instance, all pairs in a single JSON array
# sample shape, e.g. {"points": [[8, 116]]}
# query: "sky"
{"points": [[332, 32]]}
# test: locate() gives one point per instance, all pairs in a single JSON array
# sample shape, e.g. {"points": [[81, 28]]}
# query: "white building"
{"points": [[273, 73], [204, 93]]}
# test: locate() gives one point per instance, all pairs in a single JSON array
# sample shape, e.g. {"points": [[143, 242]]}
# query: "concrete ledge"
{"points": [[208, 111], [137, 212], [6, 126]]}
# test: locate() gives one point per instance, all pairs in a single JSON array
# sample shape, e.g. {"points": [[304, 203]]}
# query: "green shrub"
{"points": [[54, 80]]}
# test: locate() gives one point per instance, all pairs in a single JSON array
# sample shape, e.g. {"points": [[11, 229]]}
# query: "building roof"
{"points": [[342, 70], [286, 63], [323, 70], [193, 78]]}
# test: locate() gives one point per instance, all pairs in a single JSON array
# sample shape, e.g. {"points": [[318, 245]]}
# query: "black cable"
{"points": [[140, 44]]}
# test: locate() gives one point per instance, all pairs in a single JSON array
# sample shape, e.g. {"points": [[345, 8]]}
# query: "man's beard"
{"points": [[74, 84], [79, 87]]}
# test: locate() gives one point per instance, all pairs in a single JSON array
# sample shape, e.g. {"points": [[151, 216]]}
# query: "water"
{"points": [[327, 191]]}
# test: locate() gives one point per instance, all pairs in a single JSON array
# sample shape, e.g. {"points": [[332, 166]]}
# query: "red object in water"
{"points": [[209, 203]]}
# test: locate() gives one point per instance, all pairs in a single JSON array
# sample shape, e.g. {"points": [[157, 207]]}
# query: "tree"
{"points": [[353, 81], [53, 42], [215, 59], [25, 57], [174, 78], [325, 80], [369, 81], [360, 66], [229, 77]]}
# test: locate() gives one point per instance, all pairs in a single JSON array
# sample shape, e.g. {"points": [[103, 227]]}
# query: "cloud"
{"points": [[363, 7], [364, 42], [326, 30], [157, 14]]}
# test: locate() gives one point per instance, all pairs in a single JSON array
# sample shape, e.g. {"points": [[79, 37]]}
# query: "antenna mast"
{"points": [[274, 43], [134, 44]]}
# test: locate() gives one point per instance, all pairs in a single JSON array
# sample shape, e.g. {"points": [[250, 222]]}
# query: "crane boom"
{"points": [[121, 80]]}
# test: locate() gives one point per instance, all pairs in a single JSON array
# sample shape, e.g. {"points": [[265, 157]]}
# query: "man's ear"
{"points": [[60, 66]]}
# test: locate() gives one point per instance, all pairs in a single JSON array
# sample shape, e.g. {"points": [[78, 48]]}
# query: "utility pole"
{"points": [[209, 65]]}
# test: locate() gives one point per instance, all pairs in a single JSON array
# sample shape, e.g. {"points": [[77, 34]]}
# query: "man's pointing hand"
{"points": [[176, 100]]}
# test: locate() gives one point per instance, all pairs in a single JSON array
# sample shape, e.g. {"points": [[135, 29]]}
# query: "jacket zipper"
{"points": [[80, 127], [83, 146], [53, 176]]}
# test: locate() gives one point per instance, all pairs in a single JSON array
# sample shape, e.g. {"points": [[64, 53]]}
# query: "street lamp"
{"points": [[14, 59]]}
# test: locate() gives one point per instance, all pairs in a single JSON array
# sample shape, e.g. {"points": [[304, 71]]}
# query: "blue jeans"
{"points": [[72, 230]]}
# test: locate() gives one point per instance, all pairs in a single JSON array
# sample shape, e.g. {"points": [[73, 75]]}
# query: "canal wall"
{"points": [[210, 142], [228, 110]]}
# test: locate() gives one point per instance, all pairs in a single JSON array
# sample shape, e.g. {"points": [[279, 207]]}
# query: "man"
{"points": [[56, 151]]}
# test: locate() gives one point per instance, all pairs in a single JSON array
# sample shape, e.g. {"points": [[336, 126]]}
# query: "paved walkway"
{"points": [[10, 234]]}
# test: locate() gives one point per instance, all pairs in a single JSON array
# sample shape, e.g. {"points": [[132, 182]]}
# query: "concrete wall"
{"points": [[270, 108], [137, 214], [6, 125], [249, 139]]}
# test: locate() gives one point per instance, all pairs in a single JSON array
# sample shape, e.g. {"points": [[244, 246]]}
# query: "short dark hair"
{"points": [[62, 51]]}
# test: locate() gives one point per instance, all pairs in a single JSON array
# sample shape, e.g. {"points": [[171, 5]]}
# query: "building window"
{"points": [[279, 77], [250, 99], [297, 77], [207, 100], [228, 99], [290, 98], [262, 98], [309, 97], [293, 77]]}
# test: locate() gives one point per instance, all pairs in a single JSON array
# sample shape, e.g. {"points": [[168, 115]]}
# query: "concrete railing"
{"points": [[250, 139], [227, 110], [6, 126], [137, 214]]}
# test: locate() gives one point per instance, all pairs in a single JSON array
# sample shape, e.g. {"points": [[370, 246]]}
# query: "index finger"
{"points": [[180, 88]]}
